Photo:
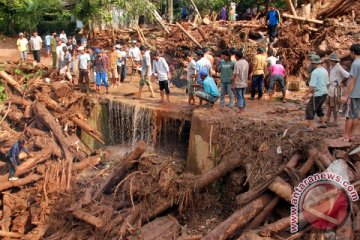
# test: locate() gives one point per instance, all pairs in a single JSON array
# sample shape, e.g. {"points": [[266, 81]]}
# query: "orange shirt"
{"points": [[113, 59]]}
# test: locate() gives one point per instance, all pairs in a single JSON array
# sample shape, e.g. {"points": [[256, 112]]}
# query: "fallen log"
{"points": [[88, 129], [259, 219], [303, 19], [18, 100], [121, 169], [87, 162], [11, 81], [6, 234], [189, 35], [20, 182], [203, 34], [19, 223], [281, 188], [161, 228], [60, 88], [6, 212], [275, 227], [238, 219], [88, 218]]}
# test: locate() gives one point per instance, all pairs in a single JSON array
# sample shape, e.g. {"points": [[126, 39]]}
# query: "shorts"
{"points": [[23, 54], [101, 79], [144, 80], [114, 73], [190, 87], [164, 85], [353, 108], [315, 107], [276, 78]]}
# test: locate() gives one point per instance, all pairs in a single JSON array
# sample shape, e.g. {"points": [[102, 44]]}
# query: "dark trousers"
{"points": [[84, 74], [257, 83], [54, 60], [314, 106], [272, 31], [122, 72], [36, 54], [11, 166]]}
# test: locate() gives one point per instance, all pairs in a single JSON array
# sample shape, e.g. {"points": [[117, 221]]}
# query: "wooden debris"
{"points": [[189, 35], [161, 228], [303, 19], [87, 217], [10, 80]]}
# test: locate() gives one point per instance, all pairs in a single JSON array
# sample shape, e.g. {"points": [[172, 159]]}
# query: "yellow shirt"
{"points": [[22, 44], [113, 59], [259, 64]]}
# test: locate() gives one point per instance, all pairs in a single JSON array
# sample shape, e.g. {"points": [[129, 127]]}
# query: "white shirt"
{"points": [[271, 60], [161, 68], [83, 60], [121, 61], [135, 53], [35, 43], [337, 74], [60, 52], [63, 36], [241, 70]]}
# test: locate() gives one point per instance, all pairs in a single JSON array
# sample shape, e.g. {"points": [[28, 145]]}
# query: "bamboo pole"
{"points": [[196, 9], [291, 7]]}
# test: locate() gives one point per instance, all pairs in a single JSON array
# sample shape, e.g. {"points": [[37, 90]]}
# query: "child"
{"points": [[191, 74]]}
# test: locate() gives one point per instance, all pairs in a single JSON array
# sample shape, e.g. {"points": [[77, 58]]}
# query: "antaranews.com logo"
{"points": [[322, 200]]}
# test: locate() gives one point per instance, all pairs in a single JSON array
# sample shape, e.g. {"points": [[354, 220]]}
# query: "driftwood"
{"points": [[60, 88], [20, 182], [259, 219], [238, 219], [303, 19], [87, 217], [11, 81], [189, 35], [88, 129], [6, 212], [121, 169], [281, 188], [87, 162], [275, 227]]}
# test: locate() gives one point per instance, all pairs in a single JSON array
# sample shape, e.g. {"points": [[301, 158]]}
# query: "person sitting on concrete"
{"points": [[211, 92], [13, 157]]}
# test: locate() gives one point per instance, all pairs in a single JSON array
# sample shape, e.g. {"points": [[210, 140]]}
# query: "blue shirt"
{"points": [[47, 40], [319, 81], [355, 73], [15, 151], [210, 87], [273, 17]]}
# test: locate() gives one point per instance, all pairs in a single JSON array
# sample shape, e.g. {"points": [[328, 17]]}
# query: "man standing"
{"points": [[211, 92], [135, 57], [22, 44], [114, 56], [184, 12], [224, 13], [318, 88], [65, 67], [101, 65], [161, 68], [226, 69], [121, 63], [232, 11], [241, 74], [352, 95], [145, 71], [63, 36], [258, 73], [84, 69], [277, 74], [337, 75], [48, 43], [191, 74], [36, 44], [60, 54], [13, 157], [273, 19], [53, 43]]}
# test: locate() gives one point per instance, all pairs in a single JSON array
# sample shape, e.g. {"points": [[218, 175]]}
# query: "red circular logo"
{"points": [[325, 205]]}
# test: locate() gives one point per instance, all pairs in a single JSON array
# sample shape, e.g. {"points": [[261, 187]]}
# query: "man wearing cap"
{"points": [[114, 56], [318, 88], [65, 69], [337, 75], [352, 95], [135, 57], [101, 65], [84, 63], [121, 62], [211, 92], [35, 45], [22, 44], [145, 71], [258, 72], [162, 70], [273, 19]]}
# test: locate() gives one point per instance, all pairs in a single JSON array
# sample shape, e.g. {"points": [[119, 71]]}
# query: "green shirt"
{"points": [[53, 44], [226, 71]]}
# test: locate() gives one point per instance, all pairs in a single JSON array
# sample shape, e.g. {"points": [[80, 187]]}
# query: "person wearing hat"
{"points": [[337, 75], [22, 44], [101, 65], [121, 63], [114, 56], [273, 19], [145, 71], [318, 88], [135, 57], [310, 67], [65, 69], [258, 72], [352, 95], [84, 63], [162, 70], [211, 92]]}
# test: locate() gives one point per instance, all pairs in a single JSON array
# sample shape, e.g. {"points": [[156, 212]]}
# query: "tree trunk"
{"points": [[275, 227], [238, 219], [20, 182], [11, 81], [281, 188], [88, 129], [87, 217], [259, 219]]}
